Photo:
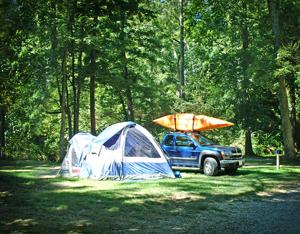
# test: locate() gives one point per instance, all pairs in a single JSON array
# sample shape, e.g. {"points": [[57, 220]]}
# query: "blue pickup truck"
{"points": [[193, 151]]}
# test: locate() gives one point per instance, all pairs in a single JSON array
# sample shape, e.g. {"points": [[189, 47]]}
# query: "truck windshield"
{"points": [[202, 140]]}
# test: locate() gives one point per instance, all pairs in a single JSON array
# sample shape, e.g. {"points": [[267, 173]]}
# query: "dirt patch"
{"points": [[184, 196], [66, 184], [281, 189], [51, 173], [271, 212]]}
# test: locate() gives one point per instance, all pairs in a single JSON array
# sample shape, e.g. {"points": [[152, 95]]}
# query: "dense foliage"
{"points": [[78, 65]]}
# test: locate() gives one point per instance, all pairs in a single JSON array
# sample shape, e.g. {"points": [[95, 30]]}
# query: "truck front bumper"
{"points": [[232, 163]]}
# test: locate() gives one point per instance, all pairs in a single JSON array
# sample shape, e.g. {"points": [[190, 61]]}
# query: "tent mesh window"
{"points": [[114, 142], [74, 159], [138, 145]]}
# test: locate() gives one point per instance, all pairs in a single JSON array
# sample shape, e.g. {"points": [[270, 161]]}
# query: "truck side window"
{"points": [[183, 141], [169, 140]]}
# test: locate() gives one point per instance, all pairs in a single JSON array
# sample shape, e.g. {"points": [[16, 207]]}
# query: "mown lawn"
{"points": [[33, 201]]}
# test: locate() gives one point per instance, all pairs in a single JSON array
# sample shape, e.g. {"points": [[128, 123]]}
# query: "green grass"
{"points": [[33, 202]]}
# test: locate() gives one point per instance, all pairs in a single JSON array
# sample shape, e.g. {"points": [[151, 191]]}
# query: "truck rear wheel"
{"points": [[210, 167]]}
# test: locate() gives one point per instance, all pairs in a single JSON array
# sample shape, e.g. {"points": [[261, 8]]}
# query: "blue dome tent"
{"points": [[122, 151]]}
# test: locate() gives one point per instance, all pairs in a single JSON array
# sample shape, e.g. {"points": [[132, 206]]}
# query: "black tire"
{"points": [[210, 167], [230, 171]]}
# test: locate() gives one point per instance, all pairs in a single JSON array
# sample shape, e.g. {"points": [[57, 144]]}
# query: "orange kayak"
{"points": [[190, 122]]}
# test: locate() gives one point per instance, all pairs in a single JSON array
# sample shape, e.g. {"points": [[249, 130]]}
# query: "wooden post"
{"points": [[277, 152]]}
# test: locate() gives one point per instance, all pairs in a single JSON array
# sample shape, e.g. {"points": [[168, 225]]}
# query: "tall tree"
{"points": [[92, 92], [2, 129], [63, 102], [93, 72], [286, 126], [77, 84], [226, 70], [128, 91], [245, 66], [14, 26], [182, 49]]}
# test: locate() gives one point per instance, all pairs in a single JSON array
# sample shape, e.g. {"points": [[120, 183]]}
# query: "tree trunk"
{"points": [[73, 82], [182, 45], [130, 112], [246, 82], [92, 94], [53, 38], [130, 108], [77, 91], [63, 104], [93, 80], [59, 82], [125, 113], [248, 143], [69, 113], [292, 93], [2, 131], [54, 42], [286, 126], [78, 83], [274, 13], [297, 127], [75, 94], [72, 29]]}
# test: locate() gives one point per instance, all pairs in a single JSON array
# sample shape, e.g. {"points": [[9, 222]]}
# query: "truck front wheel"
{"points": [[210, 167]]}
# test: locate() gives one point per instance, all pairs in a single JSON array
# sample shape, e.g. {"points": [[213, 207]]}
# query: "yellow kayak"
{"points": [[187, 122]]}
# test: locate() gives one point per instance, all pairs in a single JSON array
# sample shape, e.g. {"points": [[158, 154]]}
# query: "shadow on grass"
{"points": [[31, 204]]}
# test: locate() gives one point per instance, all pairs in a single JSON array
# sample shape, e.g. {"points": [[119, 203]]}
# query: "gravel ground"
{"points": [[270, 213]]}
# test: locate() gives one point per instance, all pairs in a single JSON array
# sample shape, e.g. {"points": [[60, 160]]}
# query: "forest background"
{"points": [[78, 65]]}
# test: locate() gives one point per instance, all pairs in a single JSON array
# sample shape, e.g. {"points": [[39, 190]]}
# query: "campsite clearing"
{"points": [[258, 198]]}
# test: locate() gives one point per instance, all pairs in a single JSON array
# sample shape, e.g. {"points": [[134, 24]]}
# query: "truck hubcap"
{"points": [[208, 168]]}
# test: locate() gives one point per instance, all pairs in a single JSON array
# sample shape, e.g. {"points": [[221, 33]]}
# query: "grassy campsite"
{"points": [[34, 199], [149, 116]]}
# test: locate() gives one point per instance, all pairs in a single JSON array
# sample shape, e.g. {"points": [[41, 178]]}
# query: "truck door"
{"points": [[169, 146], [186, 151]]}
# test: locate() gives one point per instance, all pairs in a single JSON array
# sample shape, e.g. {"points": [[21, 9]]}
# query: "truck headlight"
{"points": [[226, 154]]}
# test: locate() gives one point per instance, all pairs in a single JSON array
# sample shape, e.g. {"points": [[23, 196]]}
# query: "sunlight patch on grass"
{"points": [[76, 226], [66, 184], [133, 229], [153, 190], [114, 209], [17, 170], [177, 228], [47, 176], [135, 201], [185, 196], [264, 194], [5, 194], [60, 208], [23, 222]]}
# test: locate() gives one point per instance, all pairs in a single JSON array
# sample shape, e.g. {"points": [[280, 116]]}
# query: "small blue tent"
{"points": [[122, 151]]}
